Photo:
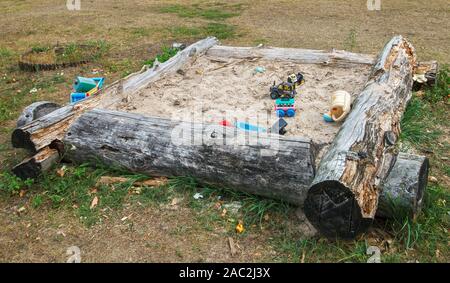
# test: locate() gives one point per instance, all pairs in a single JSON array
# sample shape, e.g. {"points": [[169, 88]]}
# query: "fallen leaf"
{"points": [[22, 209], [175, 201], [266, 217], [432, 179], [108, 180], [232, 246], [224, 212], [22, 193], [61, 171], [153, 182], [94, 202], [240, 227], [217, 205]]}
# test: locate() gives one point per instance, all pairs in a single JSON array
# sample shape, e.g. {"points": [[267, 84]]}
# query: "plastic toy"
{"points": [[340, 105], [84, 83], [287, 89], [327, 117], [285, 107], [284, 89], [278, 127]]}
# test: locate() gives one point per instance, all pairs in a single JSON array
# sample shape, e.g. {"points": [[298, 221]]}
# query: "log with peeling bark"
{"points": [[404, 188], [343, 198], [304, 56], [45, 130], [263, 164]]}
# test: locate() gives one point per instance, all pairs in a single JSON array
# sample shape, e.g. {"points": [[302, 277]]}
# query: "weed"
{"points": [[166, 54], [220, 30], [11, 184]]}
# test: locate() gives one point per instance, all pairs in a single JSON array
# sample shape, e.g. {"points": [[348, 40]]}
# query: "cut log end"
{"points": [[332, 208], [22, 139], [404, 188]]}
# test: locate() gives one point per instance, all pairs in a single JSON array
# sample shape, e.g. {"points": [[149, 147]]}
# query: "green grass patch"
{"points": [[219, 30], [212, 11], [441, 90], [166, 54], [418, 124]]}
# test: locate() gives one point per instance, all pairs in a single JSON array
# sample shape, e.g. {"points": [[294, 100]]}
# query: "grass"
{"points": [[210, 11], [166, 54], [350, 42], [219, 30]]}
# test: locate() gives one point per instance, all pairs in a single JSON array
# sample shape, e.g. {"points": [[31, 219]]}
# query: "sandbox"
{"points": [[341, 174], [211, 89]]}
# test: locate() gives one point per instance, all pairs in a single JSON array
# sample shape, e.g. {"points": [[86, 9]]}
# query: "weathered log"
{"points": [[305, 56], [52, 127], [343, 198], [36, 110], [404, 188], [32, 167], [269, 165]]}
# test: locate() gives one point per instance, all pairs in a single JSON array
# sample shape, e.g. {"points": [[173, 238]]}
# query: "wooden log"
{"points": [[404, 188], [35, 111], [305, 56], [269, 165], [52, 127], [343, 198], [32, 167]]}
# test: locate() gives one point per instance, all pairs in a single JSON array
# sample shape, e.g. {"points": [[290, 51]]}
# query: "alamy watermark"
{"points": [[74, 254], [73, 5], [374, 5]]}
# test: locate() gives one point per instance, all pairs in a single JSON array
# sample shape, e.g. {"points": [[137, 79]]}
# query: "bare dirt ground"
{"points": [[136, 30]]}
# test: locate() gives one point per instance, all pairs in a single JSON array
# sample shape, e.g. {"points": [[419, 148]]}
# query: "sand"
{"points": [[212, 89]]}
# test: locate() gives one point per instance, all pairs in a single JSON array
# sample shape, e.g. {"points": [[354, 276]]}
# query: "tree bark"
{"points": [[52, 127], [343, 198], [263, 164]]}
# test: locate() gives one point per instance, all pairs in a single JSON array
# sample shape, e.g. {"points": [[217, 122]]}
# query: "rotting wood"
{"points": [[34, 166], [343, 198]]}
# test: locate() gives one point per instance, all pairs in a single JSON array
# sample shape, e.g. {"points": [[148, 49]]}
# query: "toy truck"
{"points": [[287, 89]]}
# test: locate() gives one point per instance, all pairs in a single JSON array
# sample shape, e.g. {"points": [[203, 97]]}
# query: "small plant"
{"points": [[11, 184], [166, 54]]}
